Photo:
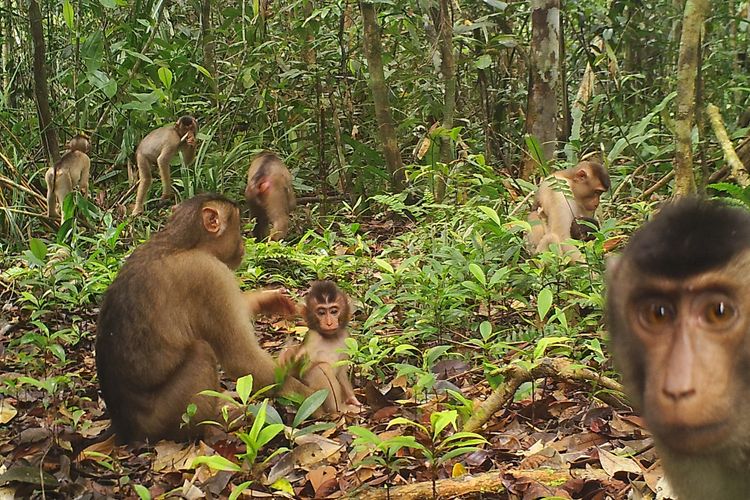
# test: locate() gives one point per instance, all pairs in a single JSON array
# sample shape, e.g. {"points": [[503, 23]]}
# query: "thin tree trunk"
{"points": [[541, 117], [7, 38], [444, 29], [687, 72], [373, 53], [209, 59], [41, 92]]}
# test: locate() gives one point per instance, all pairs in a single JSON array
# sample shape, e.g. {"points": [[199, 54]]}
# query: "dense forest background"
{"points": [[415, 131]]}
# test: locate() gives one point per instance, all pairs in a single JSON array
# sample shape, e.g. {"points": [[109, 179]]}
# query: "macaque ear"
{"points": [[211, 220], [264, 186], [581, 174]]}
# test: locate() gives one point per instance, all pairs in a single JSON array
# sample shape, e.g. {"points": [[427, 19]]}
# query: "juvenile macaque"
{"points": [[678, 309], [72, 170], [270, 196], [317, 361], [175, 312], [581, 228], [158, 147], [554, 212]]}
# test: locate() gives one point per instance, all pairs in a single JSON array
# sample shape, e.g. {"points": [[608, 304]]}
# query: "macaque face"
{"points": [[690, 333], [327, 317], [235, 242], [588, 188], [187, 125]]}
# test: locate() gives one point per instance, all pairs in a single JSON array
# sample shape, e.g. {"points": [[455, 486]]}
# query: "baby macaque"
{"points": [[72, 170], [158, 147], [317, 362], [270, 196]]}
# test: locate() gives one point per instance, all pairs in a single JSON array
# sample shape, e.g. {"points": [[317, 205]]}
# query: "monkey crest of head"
{"points": [[187, 124], [217, 220], [678, 309], [589, 181], [79, 142], [326, 308]]}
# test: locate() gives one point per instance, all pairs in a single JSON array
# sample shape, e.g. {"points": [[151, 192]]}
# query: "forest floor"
{"points": [[555, 438]]}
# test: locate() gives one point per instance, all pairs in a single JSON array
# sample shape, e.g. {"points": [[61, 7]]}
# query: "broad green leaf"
{"points": [[38, 248], [245, 387], [110, 4], [485, 329], [478, 273], [283, 484], [544, 302], [384, 265], [165, 75], [68, 14], [142, 492], [309, 405], [483, 61], [237, 491], [216, 462], [492, 214], [441, 420]]}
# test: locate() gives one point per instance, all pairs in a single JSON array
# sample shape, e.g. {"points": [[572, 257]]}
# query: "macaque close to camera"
{"points": [[72, 170], [158, 148], [318, 360], [173, 313], [554, 212], [270, 196], [678, 309]]}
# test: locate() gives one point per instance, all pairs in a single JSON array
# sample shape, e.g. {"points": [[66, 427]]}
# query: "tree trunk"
{"points": [[541, 116], [687, 72], [373, 53], [444, 29], [41, 92], [209, 59]]}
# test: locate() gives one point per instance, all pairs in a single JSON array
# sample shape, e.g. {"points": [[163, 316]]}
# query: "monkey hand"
{"points": [[288, 356], [269, 302]]}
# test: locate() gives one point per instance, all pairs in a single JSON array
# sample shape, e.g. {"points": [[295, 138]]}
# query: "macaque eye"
{"points": [[719, 313], [655, 314], [335, 311]]}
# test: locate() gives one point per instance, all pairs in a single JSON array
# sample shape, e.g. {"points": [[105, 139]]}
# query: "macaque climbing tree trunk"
{"points": [[544, 71], [444, 27], [41, 92], [687, 73], [373, 53]]}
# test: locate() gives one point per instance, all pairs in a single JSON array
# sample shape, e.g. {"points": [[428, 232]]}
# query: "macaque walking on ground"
{"points": [[158, 148], [270, 196], [72, 170]]}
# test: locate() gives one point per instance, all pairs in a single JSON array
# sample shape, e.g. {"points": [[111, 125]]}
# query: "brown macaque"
{"points": [[270, 196], [554, 211], [318, 360], [72, 170], [158, 147], [583, 228], [678, 310], [175, 312]]}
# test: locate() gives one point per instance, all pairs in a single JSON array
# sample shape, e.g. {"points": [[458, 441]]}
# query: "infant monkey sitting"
{"points": [[317, 360]]}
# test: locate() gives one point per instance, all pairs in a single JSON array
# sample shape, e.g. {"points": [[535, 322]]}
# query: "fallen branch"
{"points": [[555, 368], [738, 169], [659, 184], [488, 482]]}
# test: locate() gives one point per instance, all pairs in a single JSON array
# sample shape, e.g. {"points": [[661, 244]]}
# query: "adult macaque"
{"points": [[72, 170], [554, 211], [678, 309], [158, 147], [173, 313], [270, 196], [318, 360]]}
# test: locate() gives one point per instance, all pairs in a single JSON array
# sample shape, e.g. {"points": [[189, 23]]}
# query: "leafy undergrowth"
{"points": [[442, 309]]}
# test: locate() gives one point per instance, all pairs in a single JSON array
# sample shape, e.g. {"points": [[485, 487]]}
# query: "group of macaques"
{"points": [[678, 310], [269, 192], [156, 351]]}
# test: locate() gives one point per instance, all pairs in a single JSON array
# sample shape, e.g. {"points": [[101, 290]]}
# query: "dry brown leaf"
{"points": [[321, 475], [173, 457], [7, 411], [613, 464], [105, 447]]}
